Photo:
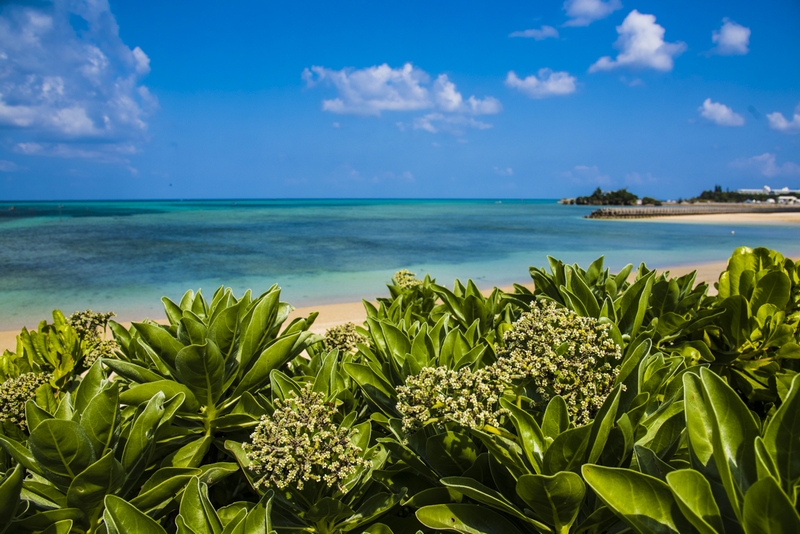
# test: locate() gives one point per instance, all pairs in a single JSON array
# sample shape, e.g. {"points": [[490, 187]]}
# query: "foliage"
{"points": [[620, 197], [597, 402], [718, 195]]}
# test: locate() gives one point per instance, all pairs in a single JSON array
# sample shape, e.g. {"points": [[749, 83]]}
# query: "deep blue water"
{"points": [[123, 256]]}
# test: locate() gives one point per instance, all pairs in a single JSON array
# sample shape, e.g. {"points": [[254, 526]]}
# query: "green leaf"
{"points": [[450, 453], [196, 510], [142, 393], [10, 490], [121, 518], [733, 434], [22, 455], [694, 497], [645, 503], [603, 423], [768, 510], [556, 499], [191, 454], [556, 417], [530, 434], [772, 288], [782, 438], [273, 357], [165, 484], [486, 495], [34, 414], [132, 371], [91, 385], [257, 329], [465, 518], [568, 451], [375, 387], [61, 447], [735, 321], [160, 340], [201, 369], [101, 419], [90, 487], [141, 441]]}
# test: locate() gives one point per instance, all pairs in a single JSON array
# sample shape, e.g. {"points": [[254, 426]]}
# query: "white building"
{"points": [[767, 190]]}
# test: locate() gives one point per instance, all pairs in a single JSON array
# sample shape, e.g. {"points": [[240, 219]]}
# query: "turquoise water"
{"points": [[123, 256]]}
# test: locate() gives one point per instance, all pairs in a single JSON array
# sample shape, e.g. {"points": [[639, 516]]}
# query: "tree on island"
{"points": [[621, 197]]}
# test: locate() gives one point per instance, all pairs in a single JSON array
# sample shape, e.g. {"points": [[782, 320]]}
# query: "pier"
{"points": [[642, 212]]}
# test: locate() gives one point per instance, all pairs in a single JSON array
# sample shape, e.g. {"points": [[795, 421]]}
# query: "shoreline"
{"points": [[767, 219], [334, 314]]}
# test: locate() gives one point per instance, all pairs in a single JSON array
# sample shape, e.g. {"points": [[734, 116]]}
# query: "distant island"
{"points": [[620, 197], [623, 197]]}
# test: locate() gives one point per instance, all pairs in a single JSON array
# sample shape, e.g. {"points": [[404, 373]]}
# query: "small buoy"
{"points": [[732, 232]]}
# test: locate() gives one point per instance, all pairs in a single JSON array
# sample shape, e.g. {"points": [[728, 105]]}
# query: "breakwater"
{"points": [[642, 212]]}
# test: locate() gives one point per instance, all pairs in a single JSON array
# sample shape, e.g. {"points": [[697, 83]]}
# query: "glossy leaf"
{"points": [[121, 518], [645, 503], [556, 499], [768, 510], [694, 497], [61, 447], [465, 518]]}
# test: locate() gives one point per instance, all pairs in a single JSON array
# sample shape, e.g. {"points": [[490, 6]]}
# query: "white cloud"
{"points": [[778, 122], [548, 83], [766, 164], [539, 35], [373, 90], [455, 124], [67, 85], [720, 114], [584, 12], [732, 39], [8, 166], [641, 44], [508, 171]]}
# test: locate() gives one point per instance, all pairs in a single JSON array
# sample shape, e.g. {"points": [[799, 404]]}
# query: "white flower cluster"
{"points": [[344, 337], [300, 442], [406, 279], [562, 354], [553, 348], [438, 394], [15, 392], [91, 327]]}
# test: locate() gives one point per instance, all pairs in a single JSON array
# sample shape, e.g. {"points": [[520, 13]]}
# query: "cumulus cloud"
{"points": [[766, 164], [105, 153], [546, 84], [720, 114], [373, 90], [448, 98], [584, 12], [780, 123], [641, 45], [68, 78], [540, 35], [732, 39]]}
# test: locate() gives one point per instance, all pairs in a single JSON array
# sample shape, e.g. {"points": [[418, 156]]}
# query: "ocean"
{"points": [[123, 256]]}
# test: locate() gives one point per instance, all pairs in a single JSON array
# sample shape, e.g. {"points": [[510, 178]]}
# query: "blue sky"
{"points": [[396, 99]]}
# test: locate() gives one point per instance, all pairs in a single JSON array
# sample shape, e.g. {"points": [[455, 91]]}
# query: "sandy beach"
{"points": [[732, 218], [334, 314]]}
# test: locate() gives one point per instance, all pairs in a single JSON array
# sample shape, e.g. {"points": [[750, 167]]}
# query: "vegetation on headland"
{"points": [[718, 195], [598, 402], [620, 197]]}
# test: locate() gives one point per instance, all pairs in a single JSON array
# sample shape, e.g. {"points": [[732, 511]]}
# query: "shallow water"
{"points": [[123, 256]]}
